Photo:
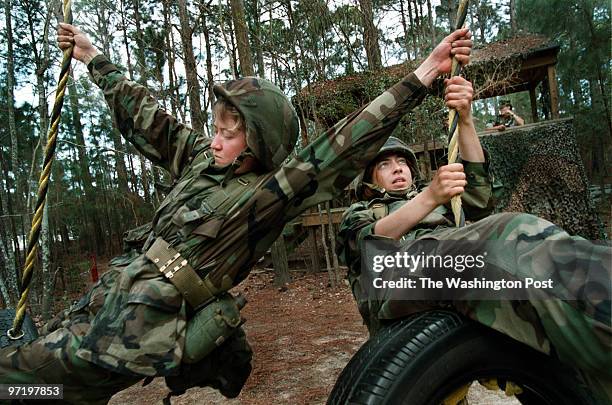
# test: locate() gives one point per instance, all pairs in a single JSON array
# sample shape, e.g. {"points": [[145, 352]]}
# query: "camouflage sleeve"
{"points": [[326, 166], [140, 119], [477, 199], [357, 224]]}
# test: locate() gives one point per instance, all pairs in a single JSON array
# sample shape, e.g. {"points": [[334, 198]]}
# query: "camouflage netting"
{"points": [[542, 174], [495, 68]]}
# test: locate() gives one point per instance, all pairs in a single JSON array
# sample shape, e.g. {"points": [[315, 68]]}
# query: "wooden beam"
{"points": [[554, 92], [312, 218], [532, 63], [534, 104]]}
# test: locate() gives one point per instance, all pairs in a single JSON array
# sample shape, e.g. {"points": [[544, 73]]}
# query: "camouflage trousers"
{"points": [[579, 331], [53, 358]]}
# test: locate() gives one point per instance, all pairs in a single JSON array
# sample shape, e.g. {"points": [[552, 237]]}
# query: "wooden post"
{"points": [[323, 241], [279, 262], [333, 275], [554, 92], [314, 250], [534, 104]]}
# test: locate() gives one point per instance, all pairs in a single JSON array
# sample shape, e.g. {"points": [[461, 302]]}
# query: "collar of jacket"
{"points": [[380, 194]]}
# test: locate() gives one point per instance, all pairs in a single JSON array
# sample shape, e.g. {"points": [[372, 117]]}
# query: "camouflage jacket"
{"points": [[140, 328], [508, 121], [358, 221]]}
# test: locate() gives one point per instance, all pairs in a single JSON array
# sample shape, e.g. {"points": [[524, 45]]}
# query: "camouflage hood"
{"points": [[366, 190], [272, 125]]}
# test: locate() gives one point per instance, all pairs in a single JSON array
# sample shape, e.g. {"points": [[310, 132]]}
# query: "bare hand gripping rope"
{"points": [[43, 184], [453, 118]]}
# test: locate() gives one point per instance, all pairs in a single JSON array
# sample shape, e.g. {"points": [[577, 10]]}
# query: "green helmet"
{"points": [[272, 126], [393, 145]]}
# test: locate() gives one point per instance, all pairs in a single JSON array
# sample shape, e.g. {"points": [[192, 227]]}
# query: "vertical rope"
{"points": [[43, 184], [453, 119]]}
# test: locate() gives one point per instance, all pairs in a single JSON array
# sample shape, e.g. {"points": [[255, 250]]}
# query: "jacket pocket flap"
{"points": [[209, 228]]}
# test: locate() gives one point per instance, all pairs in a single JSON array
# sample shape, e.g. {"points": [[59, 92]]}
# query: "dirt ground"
{"points": [[302, 338]]}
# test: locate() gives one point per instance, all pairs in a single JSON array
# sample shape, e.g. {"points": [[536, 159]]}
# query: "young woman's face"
{"points": [[228, 143], [392, 173]]}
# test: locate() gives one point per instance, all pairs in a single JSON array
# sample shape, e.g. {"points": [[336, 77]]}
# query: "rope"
{"points": [[453, 119], [43, 184]]}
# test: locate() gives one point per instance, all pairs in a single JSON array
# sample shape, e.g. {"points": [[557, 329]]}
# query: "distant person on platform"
{"points": [[507, 118]]}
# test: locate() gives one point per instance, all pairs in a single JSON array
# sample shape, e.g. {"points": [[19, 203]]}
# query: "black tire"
{"points": [[422, 359]]}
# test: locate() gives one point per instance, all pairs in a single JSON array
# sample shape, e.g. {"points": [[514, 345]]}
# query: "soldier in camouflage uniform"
{"points": [[232, 197], [507, 117], [394, 204]]}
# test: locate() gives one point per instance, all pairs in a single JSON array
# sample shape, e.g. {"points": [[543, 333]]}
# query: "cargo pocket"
{"points": [[152, 327]]}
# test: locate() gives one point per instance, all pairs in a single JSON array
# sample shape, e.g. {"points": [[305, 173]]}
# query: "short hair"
{"points": [[505, 103], [222, 107]]}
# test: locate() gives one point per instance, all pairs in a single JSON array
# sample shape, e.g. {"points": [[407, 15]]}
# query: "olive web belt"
{"points": [[180, 273]]}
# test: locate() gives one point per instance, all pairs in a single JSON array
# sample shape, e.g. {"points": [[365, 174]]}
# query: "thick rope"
{"points": [[43, 184], [453, 119]]}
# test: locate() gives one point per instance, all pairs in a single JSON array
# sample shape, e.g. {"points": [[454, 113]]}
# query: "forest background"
{"points": [[101, 186]]}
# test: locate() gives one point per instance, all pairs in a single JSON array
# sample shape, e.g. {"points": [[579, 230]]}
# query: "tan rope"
{"points": [[453, 119], [43, 183]]}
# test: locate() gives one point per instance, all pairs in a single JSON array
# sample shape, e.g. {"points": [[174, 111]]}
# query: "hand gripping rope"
{"points": [[43, 184], [453, 118]]}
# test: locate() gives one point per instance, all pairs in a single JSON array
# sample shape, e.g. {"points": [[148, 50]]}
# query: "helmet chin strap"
{"points": [[402, 191]]}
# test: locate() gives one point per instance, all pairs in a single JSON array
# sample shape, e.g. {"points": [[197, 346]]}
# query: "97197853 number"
{"points": [[31, 391]]}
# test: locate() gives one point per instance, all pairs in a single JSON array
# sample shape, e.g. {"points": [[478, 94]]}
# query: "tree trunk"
{"points": [[405, 28], [412, 30], [85, 175], [324, 243], [140, 46], [452, 13], [432, 29], [512, 11], [10, 103], [261, 69], [193, 85], [417, 27], [126, 43], [422, 35], [10, 86], [333, 275], [169, 55], [370, 35], [15, 263], [7, 257], [481, 23], [209, 69], [144, 178], [297, 77], [242, 38], [279, 260], [42, 64], [229, 43]]}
